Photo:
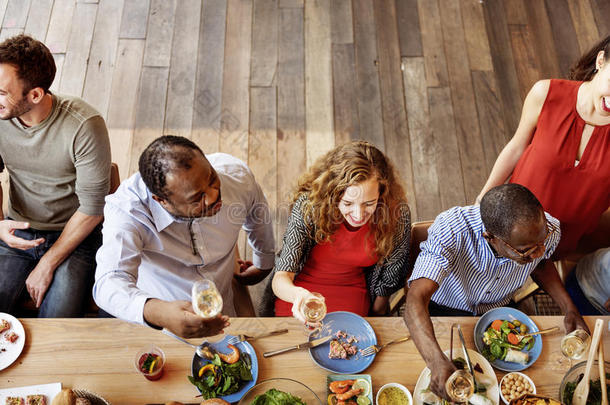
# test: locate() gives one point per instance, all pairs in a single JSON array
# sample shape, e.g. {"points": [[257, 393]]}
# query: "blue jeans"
{"points": [[70, 290]]}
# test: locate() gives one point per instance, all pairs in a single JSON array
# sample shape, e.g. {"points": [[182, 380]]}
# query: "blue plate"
{"points": [[509, 314], [221, 347], [341, 377], [353, 325]]}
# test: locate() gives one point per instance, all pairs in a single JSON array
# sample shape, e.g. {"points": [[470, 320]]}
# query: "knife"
{"points": [[306, 345]]}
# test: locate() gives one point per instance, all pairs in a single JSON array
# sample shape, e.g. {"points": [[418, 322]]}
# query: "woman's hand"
{"points": [[300, 294]]}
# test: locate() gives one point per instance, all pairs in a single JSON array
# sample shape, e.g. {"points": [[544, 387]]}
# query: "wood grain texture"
{"points": [[3, 6], [462, 95], [124, 94], [116, 342], [134, 19], [38, 19], [489, 106], [59, 65], [236, 76], [102, 59], [341, 22], [208, 83], [150, 111], [515, 11], [525, 58], [16, 14], [432, 41], [564, 34], [582, 16], [367, 74], [290, 110], [409, 31], [503, 63], [477, 44], [182, 72], [601, 11], [319, 135], [395, 126], [159, 33], [424, 148], [58, 33], [291, 3], [450, 180], [542, 45], [264, 43], [79, 47], [345, 99], [10, 32]]}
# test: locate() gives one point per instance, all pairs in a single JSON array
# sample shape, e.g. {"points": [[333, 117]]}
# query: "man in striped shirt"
{"points": [[474, 259]]}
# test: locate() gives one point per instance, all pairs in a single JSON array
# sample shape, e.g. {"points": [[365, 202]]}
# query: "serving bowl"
{"points": [[287, 385], [399, 386], [573, 375], [515, 373]]}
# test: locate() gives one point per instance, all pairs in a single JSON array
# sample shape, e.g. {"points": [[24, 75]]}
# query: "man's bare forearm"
{"points": [[420, 326]]}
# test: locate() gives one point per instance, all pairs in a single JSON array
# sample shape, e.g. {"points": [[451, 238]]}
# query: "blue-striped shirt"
{"points": [[460, 260]]}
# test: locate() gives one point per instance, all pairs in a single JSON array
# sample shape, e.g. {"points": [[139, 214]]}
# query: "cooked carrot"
{"points": [[497, 324], [512, 339]]}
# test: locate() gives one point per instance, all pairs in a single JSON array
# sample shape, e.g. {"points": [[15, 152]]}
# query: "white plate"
{"points": [[13, 350], [493, 393], [50, 390]]}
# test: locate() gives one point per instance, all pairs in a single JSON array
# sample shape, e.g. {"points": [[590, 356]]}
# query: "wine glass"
{"points": [[575, 344], [313, 309], [460, 386], [207, 301]]}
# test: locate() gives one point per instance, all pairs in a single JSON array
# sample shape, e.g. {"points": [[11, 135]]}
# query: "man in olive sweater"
{"points": [[57, 153]]}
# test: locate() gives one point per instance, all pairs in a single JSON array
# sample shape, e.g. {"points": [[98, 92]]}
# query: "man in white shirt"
{"points": [[174, 223]]}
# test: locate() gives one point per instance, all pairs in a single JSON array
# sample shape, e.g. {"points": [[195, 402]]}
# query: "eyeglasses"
{"points": [[538, 248]]}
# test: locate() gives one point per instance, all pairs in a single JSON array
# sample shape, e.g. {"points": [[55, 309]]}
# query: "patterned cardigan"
{"points": [[382, 279]]}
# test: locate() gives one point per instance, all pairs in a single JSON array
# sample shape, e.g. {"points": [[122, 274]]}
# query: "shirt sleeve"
{"points": [[92, 162], [297, 241], [437, 254], [115, 289], [259, 227], [394, 270], [553, 239]]}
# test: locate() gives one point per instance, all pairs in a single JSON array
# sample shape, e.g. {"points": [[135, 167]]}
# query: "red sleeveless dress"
{"points": [[335, 269], [576, 193]]}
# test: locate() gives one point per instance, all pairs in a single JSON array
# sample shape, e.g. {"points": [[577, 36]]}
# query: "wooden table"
{"points": [[98, 355]]}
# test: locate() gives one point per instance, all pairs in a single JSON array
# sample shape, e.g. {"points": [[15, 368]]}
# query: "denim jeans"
{"points": [[70, 290]]}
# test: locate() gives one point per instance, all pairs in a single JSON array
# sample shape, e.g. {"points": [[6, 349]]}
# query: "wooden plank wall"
{"points": [[437, 84]]}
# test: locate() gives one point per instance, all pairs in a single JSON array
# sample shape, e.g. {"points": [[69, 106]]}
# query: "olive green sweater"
{"points": [[58, 166]]}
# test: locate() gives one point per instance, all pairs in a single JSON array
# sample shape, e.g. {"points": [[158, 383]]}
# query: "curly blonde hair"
{"points": [[346, 165]]}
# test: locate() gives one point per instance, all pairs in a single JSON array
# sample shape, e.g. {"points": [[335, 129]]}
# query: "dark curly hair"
{"points": [[166, 153], [505, 205], [32, 59], [585, 68]]}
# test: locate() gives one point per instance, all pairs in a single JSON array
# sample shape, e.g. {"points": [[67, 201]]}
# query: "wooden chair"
{"points": [[419, 233]]}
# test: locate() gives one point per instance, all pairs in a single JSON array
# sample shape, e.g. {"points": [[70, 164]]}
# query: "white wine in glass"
{"points": [[460, 386], [574, 345], [207, 301], [313, 309]]}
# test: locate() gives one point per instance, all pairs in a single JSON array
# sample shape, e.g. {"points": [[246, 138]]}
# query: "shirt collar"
{"points": [[161, 217]]}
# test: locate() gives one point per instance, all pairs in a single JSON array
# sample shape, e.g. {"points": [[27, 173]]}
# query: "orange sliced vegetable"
{"points": [[497, 324], [512, 339], [332, 399], [231, 357], [207, 367]]}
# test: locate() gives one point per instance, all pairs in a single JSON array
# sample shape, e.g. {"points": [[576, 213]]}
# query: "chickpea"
{"points": [[514, 386]]}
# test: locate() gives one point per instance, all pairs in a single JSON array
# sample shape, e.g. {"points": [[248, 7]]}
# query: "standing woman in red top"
{"points": [[561, 149], [348, 235]]}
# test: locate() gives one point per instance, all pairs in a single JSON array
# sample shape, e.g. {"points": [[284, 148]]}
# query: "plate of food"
{"points": [[12, 339], [489, 393], [500, 336], [344, 388], [31, 394], [227, 372], [351, 334], [280, 391]]}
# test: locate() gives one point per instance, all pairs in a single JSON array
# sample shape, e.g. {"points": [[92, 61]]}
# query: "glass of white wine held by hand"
{"points": [[207, 301], [313, 309], [575, 344], [460, 386]]}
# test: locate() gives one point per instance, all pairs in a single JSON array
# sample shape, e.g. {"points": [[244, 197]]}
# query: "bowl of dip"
{"points": [[394, 394]]}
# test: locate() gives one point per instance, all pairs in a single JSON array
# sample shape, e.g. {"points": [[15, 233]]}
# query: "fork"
{"points": [[241, 338], [374, 349]]}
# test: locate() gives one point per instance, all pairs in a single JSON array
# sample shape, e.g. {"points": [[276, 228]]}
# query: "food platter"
{"points": [[221, 346], [335, 377], [510, 314], [9, 352], [488, 376], [48, 390], [354, 325]]}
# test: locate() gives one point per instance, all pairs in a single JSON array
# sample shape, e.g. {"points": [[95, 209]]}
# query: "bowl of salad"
{"points": [[501, 336], [280, 391], [573, 377]]}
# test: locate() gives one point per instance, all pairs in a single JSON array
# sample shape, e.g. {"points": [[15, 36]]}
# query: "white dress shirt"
{"points": [[148, 253]]}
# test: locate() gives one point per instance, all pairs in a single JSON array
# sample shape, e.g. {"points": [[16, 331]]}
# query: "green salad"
{"points": [[595, 391], [505, 340], [276, 397], [219, 378]]}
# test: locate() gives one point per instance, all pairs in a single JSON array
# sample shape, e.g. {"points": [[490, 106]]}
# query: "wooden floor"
{"points": [[437, 84]]}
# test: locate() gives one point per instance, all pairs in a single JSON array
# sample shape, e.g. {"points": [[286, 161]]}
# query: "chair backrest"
{"points": [[115, 178]]}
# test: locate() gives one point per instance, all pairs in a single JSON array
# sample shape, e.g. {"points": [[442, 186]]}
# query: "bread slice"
{"points": [[4, 325], [14, 401], [36, 400]]}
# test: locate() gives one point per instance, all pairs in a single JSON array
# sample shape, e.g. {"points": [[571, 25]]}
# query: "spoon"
{"points": [[543, 331], [602, 372], [198, 349], [582, 389]]}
